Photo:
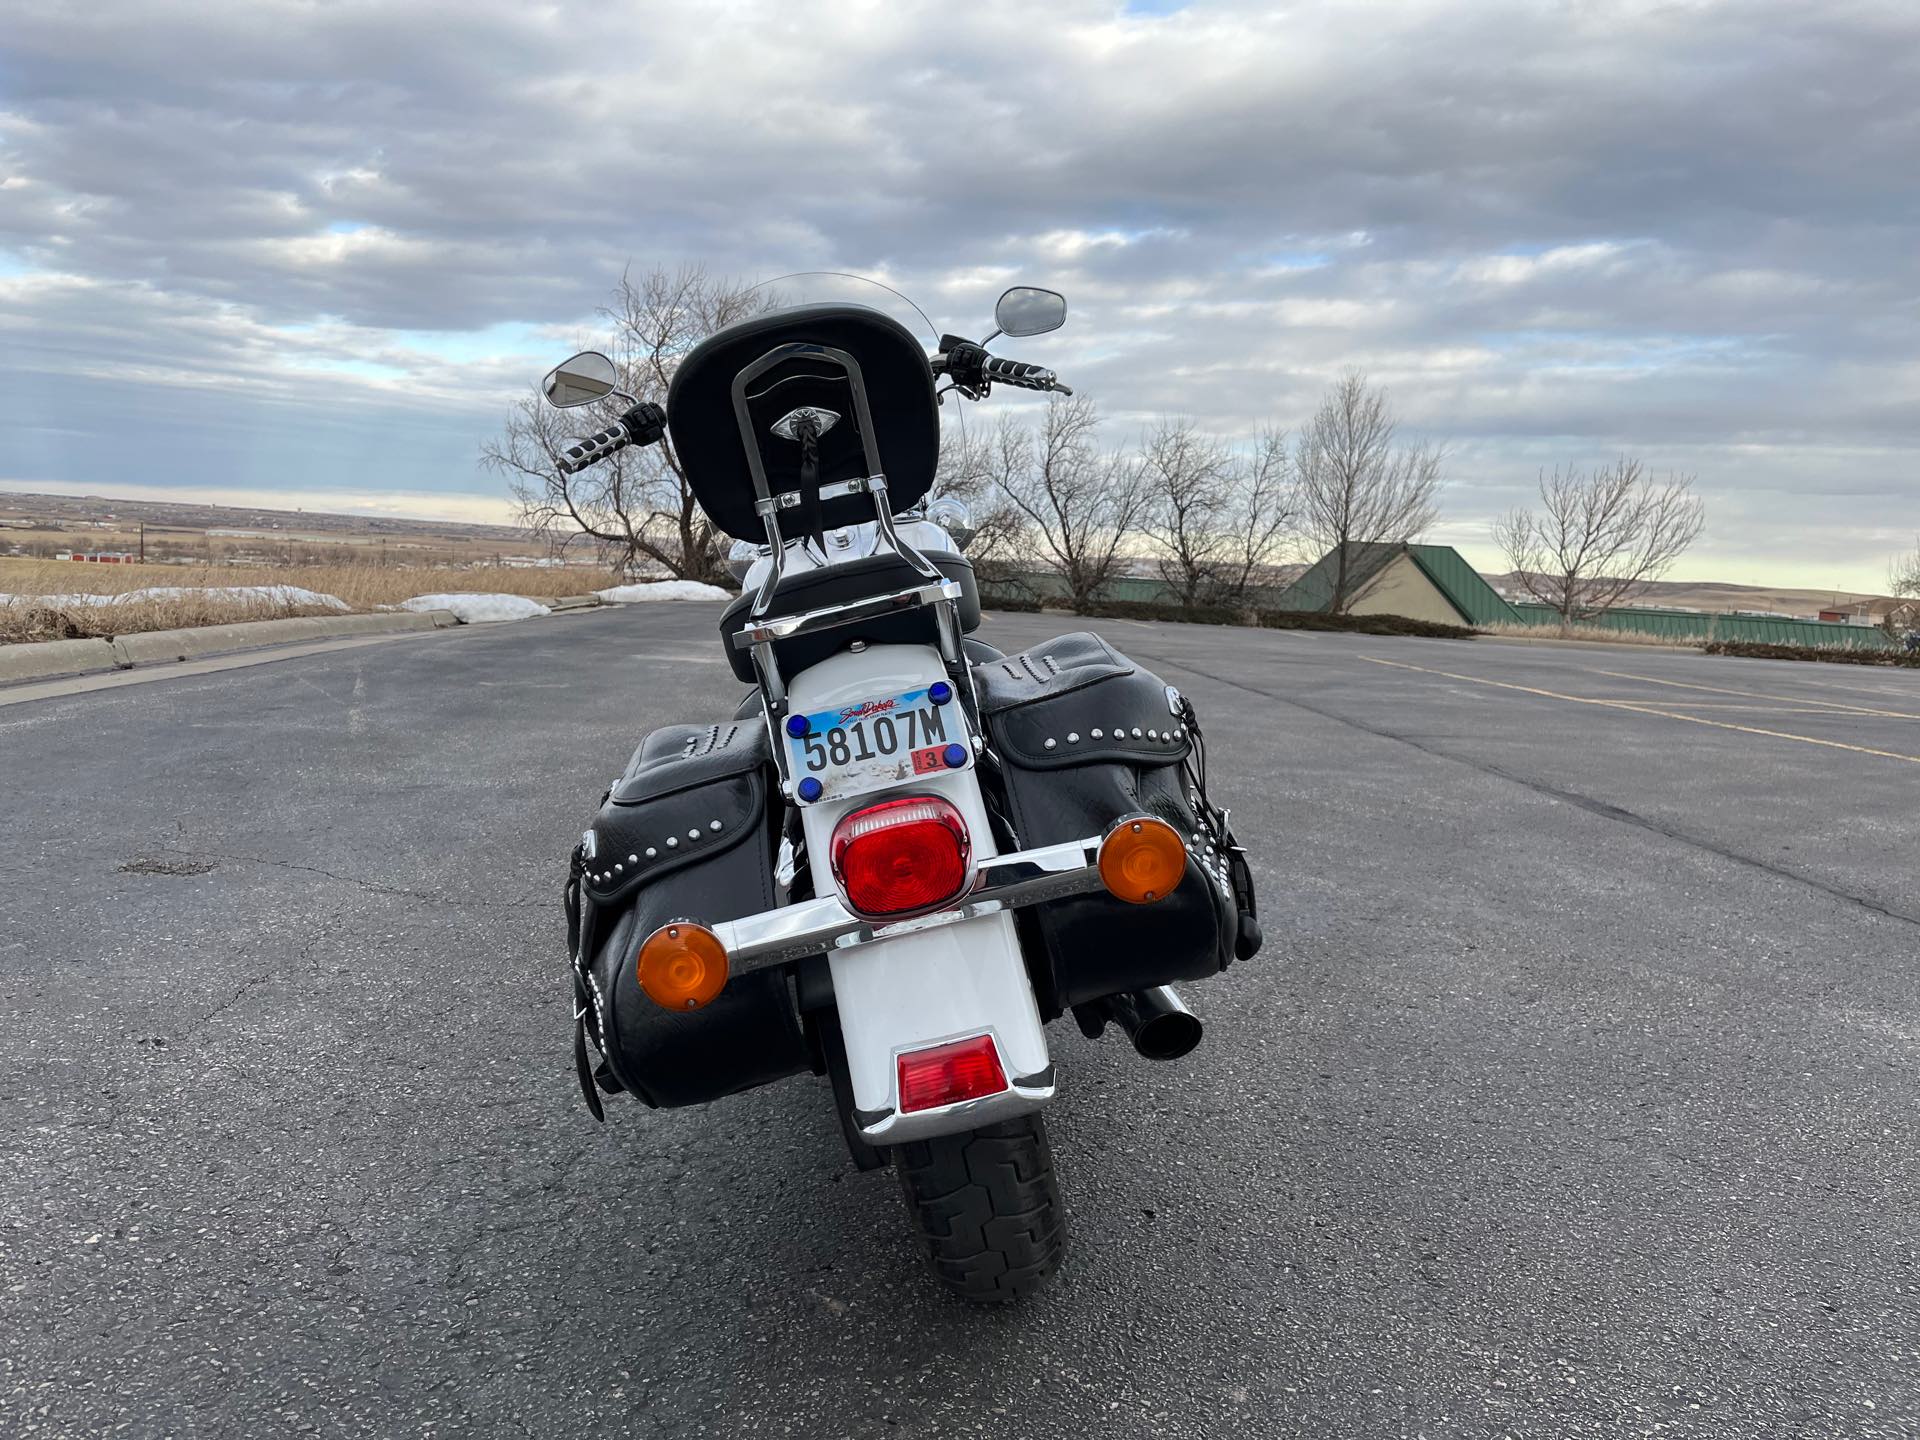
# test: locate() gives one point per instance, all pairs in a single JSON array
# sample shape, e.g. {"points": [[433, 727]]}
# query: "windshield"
{"points": [[833, 287]]}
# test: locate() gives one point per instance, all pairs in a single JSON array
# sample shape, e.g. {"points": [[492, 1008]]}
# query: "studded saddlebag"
{"points": [[1085, 736], [686, 833]]}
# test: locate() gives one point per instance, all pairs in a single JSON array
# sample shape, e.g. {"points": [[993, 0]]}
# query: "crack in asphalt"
{"points": [[253, 982], [371, 887], [1588, 803]]}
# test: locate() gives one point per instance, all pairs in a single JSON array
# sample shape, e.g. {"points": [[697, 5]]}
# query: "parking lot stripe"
{"points": [[1757, 695], [1893, 693], [1812, 708], [1640, 709]]}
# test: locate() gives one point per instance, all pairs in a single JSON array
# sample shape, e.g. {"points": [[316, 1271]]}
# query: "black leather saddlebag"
{"points": [[1085, 737], [685, 834]]}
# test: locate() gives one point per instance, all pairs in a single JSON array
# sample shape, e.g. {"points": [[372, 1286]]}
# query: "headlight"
{"points": [[740, 557], [953, 515]]}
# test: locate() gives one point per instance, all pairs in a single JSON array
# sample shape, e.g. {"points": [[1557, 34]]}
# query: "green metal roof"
{"points": [[1458, 582], [1462, 585], [1314, 589]]}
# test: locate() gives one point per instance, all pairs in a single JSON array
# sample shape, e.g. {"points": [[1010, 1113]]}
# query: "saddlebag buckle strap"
{"points": [[583, 1069]]}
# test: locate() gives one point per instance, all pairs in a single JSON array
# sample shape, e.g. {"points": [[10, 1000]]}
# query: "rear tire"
{"points": [[986, 1208]]}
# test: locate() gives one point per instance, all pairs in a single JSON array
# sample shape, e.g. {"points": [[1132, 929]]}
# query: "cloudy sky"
{"points": [[308, 251]]}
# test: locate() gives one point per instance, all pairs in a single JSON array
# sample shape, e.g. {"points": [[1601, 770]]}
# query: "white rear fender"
{"points": [[925, 987]]}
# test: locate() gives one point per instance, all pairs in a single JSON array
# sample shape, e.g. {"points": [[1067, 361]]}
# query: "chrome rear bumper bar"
{"points": [[1004, 882]]}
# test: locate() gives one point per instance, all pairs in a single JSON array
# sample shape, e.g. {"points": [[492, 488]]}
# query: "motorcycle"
{"points": [[906, 853]]}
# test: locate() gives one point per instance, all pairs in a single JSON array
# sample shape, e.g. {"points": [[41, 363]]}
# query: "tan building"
{"points": [[1421, 582]]}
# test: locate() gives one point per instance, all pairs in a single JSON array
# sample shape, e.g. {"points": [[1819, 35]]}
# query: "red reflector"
{"points": [[964, 1070], [901, 856]]}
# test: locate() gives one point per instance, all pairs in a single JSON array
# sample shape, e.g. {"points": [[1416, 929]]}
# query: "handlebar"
{"points": [[972, 369]]}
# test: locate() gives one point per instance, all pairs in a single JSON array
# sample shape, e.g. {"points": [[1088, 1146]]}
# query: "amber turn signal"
{"points": [[682, 966], [1142, 860]]}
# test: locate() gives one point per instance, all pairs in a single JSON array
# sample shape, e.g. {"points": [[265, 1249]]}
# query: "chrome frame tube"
{"points": [[771, 580], [883, 521], [830, 617]]}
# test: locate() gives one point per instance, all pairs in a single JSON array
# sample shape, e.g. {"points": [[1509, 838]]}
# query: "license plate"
{"points": [[875, 744]]}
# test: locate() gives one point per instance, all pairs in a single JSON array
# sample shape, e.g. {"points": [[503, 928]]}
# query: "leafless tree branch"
{"points": [[1262, 514], [1355, 487], [1080, 503], [1903, 574], [1600, 538], [1216, 516], [637, 506], [1190, 478]]}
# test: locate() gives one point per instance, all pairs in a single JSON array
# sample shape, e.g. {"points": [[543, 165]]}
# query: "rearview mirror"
{"points": [[1024, 310], [587, 377]]}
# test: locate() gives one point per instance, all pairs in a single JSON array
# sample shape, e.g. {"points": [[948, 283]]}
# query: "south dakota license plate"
{"points": [[876, 744]]}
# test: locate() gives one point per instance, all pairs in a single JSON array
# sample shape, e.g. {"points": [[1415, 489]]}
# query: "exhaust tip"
{"points": [[1169, 1035], [1160, 1027]]}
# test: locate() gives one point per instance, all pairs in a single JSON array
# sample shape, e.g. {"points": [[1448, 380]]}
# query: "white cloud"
{"points": [[1680, 230]]}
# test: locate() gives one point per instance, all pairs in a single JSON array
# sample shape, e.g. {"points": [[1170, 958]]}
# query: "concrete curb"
{"points": [[574, 602], [45, 659], [53, 659]]}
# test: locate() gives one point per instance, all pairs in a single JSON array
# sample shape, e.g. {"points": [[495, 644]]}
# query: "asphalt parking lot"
{"points": [[1575, 1093]]}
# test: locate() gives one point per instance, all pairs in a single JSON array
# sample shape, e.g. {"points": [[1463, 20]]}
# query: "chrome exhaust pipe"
{"points": [[1158, 1024]]}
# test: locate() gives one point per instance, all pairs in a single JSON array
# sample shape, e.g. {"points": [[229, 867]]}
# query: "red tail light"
{"points": [[902, 856], [944, 1074]]}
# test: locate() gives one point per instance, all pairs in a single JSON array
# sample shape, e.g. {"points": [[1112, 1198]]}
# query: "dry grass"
{"points": [[362, 587], [1599, 633], [28, 621]]}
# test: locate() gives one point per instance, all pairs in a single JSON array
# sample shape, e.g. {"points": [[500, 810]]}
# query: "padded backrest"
{"points": [[899, 385]]}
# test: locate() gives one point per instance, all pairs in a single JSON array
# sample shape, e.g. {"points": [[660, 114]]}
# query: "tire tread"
{"points": [[986, 1207]]}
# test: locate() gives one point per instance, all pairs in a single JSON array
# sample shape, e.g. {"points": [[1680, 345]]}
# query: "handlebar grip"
{"points": [[1018, 372], [594, 448]]}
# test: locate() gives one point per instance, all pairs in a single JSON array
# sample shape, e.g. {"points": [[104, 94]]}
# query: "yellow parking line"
{"points": [[1893, 692], [1757, 695], [1810, 709], [1648, 710]]}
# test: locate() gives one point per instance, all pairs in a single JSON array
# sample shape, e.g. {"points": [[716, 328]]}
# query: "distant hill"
{"points": [[75, 510], [1719, 596], [179, 532]]}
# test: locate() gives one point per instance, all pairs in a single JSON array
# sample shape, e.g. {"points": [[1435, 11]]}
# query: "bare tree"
{"points": [[1081, 502], [1902, 621], [1356, 489], [1189, 477], [1903, 574], [1216, 515], [1001, 546], [637, 505], [1600, 537], [1262, 512]]}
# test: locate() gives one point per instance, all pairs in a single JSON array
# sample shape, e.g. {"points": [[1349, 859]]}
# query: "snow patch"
{"points": [[476, 609], [273, 594], [663, 590]]}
